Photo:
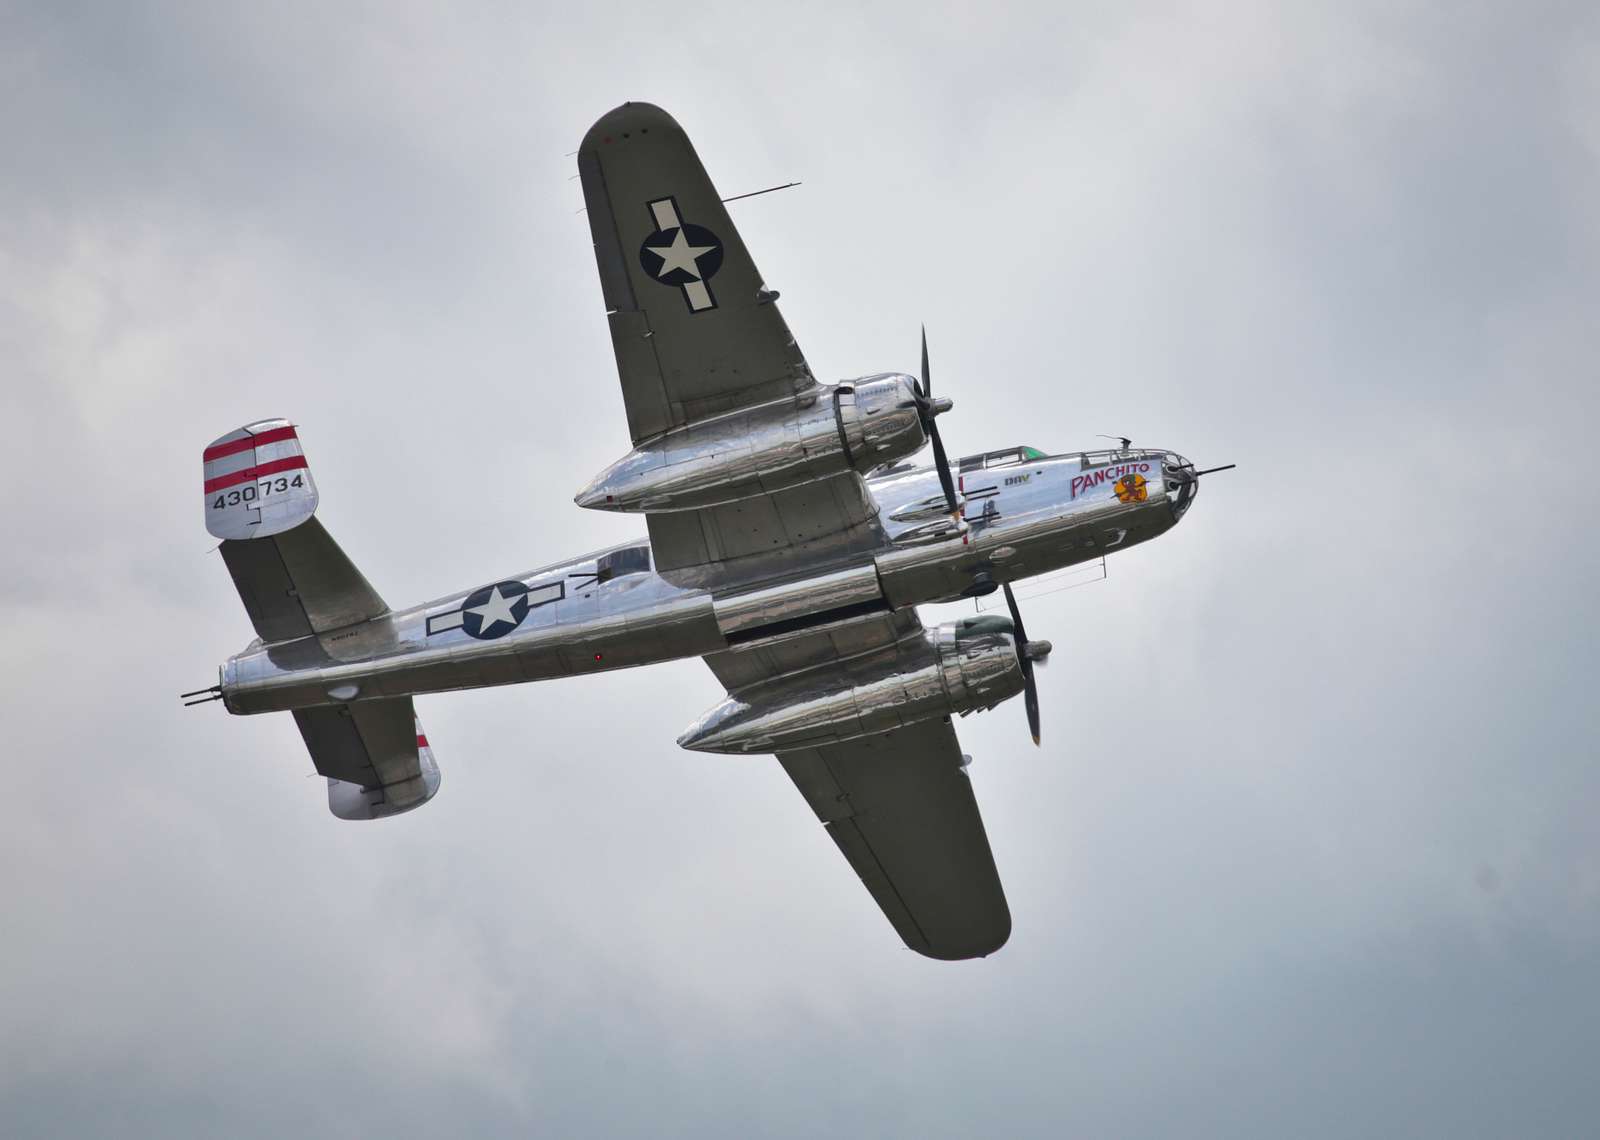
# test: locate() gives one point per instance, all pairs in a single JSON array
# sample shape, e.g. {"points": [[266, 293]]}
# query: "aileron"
{"points": [[901, 809]]}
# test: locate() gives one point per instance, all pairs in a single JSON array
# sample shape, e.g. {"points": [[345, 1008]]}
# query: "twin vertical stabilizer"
{"points": [[257, 482], [292, 577], [296, 583]]}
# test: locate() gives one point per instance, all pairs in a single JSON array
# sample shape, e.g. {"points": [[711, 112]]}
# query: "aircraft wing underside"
{"points": [[899, 804], [776, 534], [696, 334]]}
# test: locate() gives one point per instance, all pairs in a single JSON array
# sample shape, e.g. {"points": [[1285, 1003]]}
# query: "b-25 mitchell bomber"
{"points": [[791, 538]]}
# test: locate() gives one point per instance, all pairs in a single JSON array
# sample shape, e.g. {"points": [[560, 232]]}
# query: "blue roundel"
{"points": [[494, 611], [681, 255]]}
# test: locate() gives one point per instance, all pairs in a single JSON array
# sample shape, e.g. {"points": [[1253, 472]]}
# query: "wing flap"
{"points": [[802, 526], [750, 664]]}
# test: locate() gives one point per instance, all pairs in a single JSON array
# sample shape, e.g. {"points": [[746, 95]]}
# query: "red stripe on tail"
{"points": [[223, 482], [235, 446]]}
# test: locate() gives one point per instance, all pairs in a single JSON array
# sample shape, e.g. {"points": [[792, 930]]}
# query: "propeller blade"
{"points": [[1030, 690], [1016, 617], [927, 381], [927, 410], [1030, 697], [943, 464]]}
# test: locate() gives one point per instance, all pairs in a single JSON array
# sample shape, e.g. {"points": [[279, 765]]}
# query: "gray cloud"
{"points": [[1308, 848]]}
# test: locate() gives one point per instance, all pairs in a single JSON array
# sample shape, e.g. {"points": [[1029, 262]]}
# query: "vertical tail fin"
{"points": [[294, 580], [257, 482], [375, 755], [292, 577]]}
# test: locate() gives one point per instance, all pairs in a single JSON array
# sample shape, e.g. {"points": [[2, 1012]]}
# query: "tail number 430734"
{"points": [[252, 491]]}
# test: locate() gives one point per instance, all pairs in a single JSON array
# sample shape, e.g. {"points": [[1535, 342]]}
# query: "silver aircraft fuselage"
{"points": [[1022, 515]]}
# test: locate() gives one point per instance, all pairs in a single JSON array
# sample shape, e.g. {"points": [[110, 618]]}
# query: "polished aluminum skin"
{"points": [[956, 668], [610, 610], [257, 483], [826, 592], [858, 425], [790, 542]]}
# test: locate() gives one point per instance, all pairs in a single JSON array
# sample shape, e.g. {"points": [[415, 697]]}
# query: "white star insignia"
{"points": [[680, 255], [496, 610]]}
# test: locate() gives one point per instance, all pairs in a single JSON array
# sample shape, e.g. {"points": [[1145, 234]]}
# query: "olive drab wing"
{"points": [[698, 335], [694, 329]]}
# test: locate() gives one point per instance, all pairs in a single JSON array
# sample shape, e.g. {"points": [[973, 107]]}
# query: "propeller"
{"points": [[1028, 652], [927, 409]]}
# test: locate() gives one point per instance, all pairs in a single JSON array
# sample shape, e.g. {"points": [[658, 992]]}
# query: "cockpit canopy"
{"points": [[1005, 457]]}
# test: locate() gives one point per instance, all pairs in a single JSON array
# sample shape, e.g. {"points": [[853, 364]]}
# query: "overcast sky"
{"points": [[1311, 848]]}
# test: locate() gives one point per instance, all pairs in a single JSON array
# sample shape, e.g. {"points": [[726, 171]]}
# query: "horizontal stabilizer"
{"points": [[375, 755]]}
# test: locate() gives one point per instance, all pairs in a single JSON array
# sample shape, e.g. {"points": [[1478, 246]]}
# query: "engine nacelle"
{"points": [[854, 426], [956, 668]]}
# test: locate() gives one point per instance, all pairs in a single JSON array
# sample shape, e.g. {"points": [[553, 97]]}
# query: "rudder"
{"points": [[260, 497], [257, 482], [375, 755]]}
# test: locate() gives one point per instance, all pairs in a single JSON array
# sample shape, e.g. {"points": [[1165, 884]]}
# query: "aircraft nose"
{"points": [[1182, 482]]}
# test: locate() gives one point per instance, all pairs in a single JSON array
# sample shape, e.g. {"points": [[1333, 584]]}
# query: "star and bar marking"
{"points": [[681, 254], [494, 611]]}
